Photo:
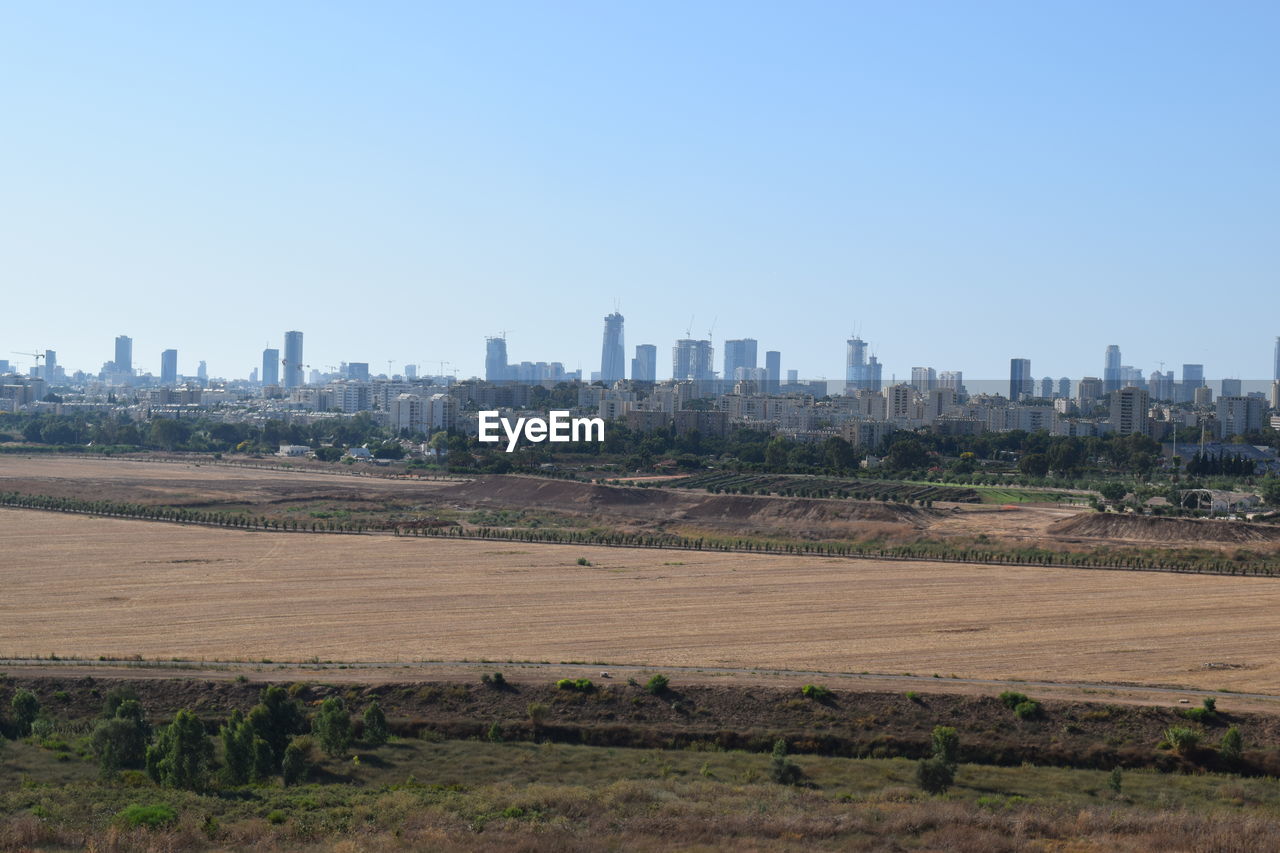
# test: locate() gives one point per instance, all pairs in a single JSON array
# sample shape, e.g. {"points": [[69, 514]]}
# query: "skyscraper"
{"points": [[271, 366], [1020, 382], [857, 369], [773, 370], [613, 355], [50, 365], [1192, 378], [740, 353], [644, 367], [1275, 377], [495, 359], [1111, 370], [124, 354], [202, 372], [692, 359], [1046, 387], [293, 376], [1129, 407], [169, 367], [924, 379]]}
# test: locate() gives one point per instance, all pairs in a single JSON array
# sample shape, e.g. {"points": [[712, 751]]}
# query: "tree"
{"points": [[375, 725], [332, 727], [1034, 465], [1113, 492], [26, 707], [239, 747], [297, 760], [1271, 491], [121, 741], [275, 719], [936, 773], [781, 769], [906, 454], [1232, 747], [181, 754]]}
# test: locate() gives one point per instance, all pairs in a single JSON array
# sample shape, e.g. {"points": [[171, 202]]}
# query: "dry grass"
{"points": [[79, 586]]}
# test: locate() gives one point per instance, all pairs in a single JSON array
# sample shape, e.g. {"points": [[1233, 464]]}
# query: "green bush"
{"points": [[913, 696], [782, 769], [332, 727], [1012, 699], [658, 684], [1181, 739], [582, 685], [151, 817], [816, 692], [934, 776], [1232, 747], [375, 725], [1028, 710]]}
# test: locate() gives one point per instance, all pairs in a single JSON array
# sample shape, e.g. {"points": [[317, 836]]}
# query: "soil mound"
{"points": [[1156, 529], [567, 495]]}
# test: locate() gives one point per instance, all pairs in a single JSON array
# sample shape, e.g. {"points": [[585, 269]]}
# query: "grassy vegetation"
{"points": [[483, 792]]}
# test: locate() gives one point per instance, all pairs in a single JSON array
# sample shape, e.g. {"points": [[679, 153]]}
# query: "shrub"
{"points": [[913, 696], [1232, 747], [497, 680], [375, 725], [332, 727], [782, 769], [26, 707], [121, 741], [934, 775], [495, 732], [1116, 780], [297, 761], [946, 744], [816, 692], [658, 684], [151, 817], [1182, 739], [537, 712], [583, 561], [1012, 699], [1028, 710], [582, 685]]}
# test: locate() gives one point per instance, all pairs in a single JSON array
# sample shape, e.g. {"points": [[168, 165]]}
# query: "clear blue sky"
{"points": [[961, 182]]}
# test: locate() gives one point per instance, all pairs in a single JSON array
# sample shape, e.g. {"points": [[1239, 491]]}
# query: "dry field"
{"points": [[80, 586]]}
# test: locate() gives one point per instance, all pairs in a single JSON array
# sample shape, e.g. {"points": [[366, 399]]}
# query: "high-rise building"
{"points": [[952, 379], [1238, 415], [1064, 388], [4, 366], [358, 370], [1020, 382], [411, 371], [692, 359], [169, 367], [1160, 385], [1192, 378], [738, 353], [793, 377], [202, 372], [1230, 388], [1275, 376], [271, 366], [860, 373], [773, 370], [496, 368], [644, 367], [1111, 370], [1129, 410], [124, 355], [50, 365], [1089, 391], [293, 365], [1046, 387], [613, 355], [924, 379]]}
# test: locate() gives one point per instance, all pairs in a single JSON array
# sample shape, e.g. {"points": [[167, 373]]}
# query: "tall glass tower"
{"points": [[293, 376], [613, 364]]}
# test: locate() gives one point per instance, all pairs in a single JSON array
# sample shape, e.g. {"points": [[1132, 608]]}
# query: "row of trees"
{"points": [[275, 738]]}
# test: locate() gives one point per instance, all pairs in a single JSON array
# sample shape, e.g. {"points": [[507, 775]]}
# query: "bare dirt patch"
{"points": [[1135, 528]]}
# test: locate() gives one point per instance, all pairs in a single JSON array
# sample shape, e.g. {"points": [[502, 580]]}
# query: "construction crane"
{"points": [[36, 355]]}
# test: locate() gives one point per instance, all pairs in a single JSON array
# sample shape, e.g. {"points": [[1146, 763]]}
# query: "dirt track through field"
{"points": [[81, 586]]}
